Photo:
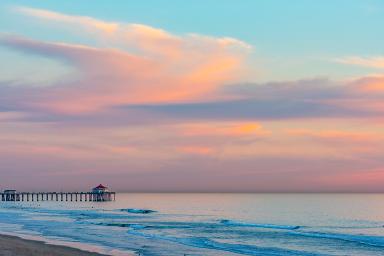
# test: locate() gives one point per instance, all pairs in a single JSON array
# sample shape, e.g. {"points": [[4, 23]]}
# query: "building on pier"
{"points": [[101, 193], [9, 195], [100, 189]]}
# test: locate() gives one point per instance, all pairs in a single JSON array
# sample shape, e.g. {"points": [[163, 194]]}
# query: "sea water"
{"points": [[207, 224]]}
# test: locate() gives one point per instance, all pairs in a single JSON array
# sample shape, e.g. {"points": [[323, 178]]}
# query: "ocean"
{"points": [[207, 224]]}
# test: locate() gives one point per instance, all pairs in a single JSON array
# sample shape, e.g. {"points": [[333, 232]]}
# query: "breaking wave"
{"points": [[258, 225], [138, 211]]}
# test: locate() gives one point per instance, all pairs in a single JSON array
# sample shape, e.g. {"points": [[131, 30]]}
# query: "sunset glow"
{"points": [[87, 96]]}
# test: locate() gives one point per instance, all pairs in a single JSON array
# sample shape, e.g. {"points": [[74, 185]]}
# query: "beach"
{"points": [[15, 246]]}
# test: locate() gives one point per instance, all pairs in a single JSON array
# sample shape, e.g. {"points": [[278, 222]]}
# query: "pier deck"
{"points": [[59, 196]]}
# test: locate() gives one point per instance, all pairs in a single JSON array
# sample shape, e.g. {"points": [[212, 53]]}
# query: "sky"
{"points": [[192, 96]]}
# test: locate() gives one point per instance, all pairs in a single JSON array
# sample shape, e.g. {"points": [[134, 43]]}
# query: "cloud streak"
{"points": [[86, 22], [370, 62]]}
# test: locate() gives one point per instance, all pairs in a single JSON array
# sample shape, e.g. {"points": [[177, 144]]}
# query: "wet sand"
{"points": [[15, 246]]}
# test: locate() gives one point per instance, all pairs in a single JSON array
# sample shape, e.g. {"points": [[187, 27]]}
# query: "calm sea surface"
{"points": [[208, 224]]}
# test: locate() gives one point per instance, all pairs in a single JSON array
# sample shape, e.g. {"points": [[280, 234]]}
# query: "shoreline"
{"points": [[11, 245]]}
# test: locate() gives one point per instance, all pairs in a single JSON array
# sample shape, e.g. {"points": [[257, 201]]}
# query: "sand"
{"points": [[15, 246]]}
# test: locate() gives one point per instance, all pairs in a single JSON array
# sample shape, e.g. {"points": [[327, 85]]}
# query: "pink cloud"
{"points": [[365, 180], [362, 94], [198, 150], [110, 77], [145, 66], [339, 135]]}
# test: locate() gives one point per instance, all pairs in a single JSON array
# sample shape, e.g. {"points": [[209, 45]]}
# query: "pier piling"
{"points": [[98, 194]]}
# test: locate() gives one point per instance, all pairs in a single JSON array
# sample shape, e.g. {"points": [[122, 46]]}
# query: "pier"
{"points": [[98, 194]]}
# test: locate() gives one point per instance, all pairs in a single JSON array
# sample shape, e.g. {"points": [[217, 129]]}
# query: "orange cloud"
{"points": [[151, 66], [224, 129], [248, 128], [334, 134], [370, 84]]}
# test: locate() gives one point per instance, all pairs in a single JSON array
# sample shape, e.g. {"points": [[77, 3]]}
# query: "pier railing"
{"points": [[59, 196]]}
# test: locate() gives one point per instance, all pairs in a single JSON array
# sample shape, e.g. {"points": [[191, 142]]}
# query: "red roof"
{"points": [[100, 187]]}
